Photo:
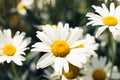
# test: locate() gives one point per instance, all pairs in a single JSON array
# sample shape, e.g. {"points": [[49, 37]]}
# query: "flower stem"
{"points": [[14, 71], [60, 77], [111, 52]]}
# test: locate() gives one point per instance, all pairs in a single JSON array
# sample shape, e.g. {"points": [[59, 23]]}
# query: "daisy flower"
{"points": [[106, 19], [100, 70], [62, 46], [23, 5], [12, 48]]}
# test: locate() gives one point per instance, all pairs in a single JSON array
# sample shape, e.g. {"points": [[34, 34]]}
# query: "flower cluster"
{"points": [[61, 51]]}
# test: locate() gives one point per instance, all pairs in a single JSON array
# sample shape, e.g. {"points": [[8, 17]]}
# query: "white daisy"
{"points": [[106, 19], [12, 49], [62, 47], [23, 5], [99, 70]]}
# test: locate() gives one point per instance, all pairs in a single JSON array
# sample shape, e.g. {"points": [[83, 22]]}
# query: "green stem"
{"points": [[14, 71], [60, 77], [111, 52]]}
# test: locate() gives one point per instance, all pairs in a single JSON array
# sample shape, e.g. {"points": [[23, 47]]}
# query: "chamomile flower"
{"points": [[62, 47], [12, 48], [99, 70], [106, 19], [23, 5]]}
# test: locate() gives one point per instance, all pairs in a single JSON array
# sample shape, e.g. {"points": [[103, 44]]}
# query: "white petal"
{"points": [[65, 65], [105, 9], [92, 15], [40, 47], [9, 59], [94, 19], [117, 12], [3, 59], [99, 10], [44, 38], [112, 9], [64, 32], [18, 38], [100, 30], [24, 44], [7, 34], [59, 64], [115, 33], [18, 60], [50, 32], [75, 34], [46, 60], [75, 60]]}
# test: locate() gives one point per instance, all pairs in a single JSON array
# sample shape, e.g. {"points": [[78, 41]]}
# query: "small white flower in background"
{"points": [[12, 49], [106, 19], [88, 45], [23, 5], [43, 3], [100, 70], [62, 46]]}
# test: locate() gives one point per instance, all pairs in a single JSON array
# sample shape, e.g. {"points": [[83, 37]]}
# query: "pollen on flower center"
{"points": [[110, 21], [9, 50], [99, 74], [73, 72], [60, 48]]}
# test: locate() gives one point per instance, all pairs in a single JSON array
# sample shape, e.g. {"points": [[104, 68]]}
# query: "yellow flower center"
{"points": [[73, 72], [9, 50], [99, 74], [21, 7], [110, 21], [60, 48]]}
